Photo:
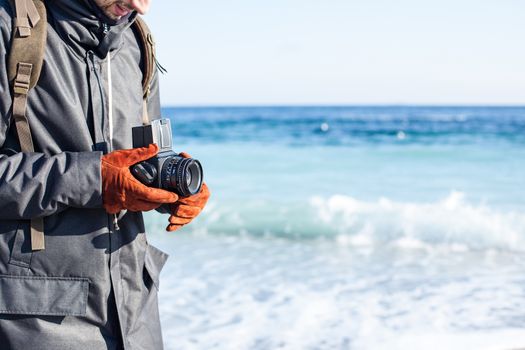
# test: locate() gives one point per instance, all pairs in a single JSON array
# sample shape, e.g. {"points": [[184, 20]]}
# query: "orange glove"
{"points": [[187, 209], [120, 189]]}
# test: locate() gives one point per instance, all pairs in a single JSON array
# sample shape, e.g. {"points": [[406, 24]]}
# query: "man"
{"points": [[94, 286]]}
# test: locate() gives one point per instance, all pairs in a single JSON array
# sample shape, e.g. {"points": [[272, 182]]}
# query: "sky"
{"points": [[340, 52]]}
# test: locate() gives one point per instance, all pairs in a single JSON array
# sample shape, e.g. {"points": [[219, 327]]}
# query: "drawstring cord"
{"points": [[110, 117], [110, 102], [115, 222]]}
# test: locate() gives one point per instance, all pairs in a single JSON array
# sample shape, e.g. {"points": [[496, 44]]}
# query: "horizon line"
{"points": [[337, 105]]}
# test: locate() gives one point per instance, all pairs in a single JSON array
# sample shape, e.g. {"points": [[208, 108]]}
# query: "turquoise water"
{"points": [[349, 228]]}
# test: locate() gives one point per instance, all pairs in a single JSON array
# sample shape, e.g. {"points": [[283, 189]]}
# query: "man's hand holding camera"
{"points": [[121, 190], [186, 209], [152, 174]]}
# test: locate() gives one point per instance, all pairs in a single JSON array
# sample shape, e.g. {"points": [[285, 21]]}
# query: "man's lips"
{"points": [[120, 11]]}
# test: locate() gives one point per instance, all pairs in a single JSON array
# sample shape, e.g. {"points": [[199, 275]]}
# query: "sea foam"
{"points": [[452, 221]]}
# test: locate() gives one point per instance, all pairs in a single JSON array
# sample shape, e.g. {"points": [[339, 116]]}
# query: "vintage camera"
{"points": [[167, 170]]}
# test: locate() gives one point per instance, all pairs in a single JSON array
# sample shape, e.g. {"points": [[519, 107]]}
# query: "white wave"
{"points": [[452, 221]]}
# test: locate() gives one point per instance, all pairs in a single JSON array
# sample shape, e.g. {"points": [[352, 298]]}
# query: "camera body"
{"points": [[167, 170]]}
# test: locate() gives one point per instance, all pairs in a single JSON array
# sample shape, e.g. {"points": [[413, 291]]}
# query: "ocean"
{"points": [[392, 227]]}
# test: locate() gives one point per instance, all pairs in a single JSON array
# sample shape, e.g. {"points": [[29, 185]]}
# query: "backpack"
{"points": [[24, 66]]}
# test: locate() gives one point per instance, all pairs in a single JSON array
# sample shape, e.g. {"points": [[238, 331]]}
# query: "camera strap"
{"points": [[149, 62]]}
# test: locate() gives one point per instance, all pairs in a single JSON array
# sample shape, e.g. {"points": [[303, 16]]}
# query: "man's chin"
{"points": [[115, 12], [119, 11]]}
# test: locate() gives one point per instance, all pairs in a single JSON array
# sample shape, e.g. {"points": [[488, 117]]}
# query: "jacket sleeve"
{"points": [[34, 184]]}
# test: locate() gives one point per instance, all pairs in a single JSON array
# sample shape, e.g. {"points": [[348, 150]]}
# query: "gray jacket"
{"points": [[93, 287]]}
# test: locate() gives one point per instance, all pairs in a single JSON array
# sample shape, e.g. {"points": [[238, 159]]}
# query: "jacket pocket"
{"points": [[153, 263], [21, 252], [40, 295]]}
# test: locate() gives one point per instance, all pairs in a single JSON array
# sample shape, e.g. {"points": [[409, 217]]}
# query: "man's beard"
{"points": [[107, 9], [104, 13]]}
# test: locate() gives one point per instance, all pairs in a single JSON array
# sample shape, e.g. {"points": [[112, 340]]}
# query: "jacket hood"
{"points": [[84, 27]]}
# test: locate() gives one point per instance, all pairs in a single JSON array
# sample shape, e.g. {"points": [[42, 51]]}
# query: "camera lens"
{"points": [[188, 177], [182, 175]]}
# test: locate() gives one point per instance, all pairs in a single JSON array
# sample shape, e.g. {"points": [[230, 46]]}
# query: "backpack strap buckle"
{"points": [[23, 78]]}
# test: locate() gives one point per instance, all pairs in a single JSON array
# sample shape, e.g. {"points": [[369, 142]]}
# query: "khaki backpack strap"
{"points": [[148, 69], [27, 16], [24, 66], [28, 48], [21, 89]]}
